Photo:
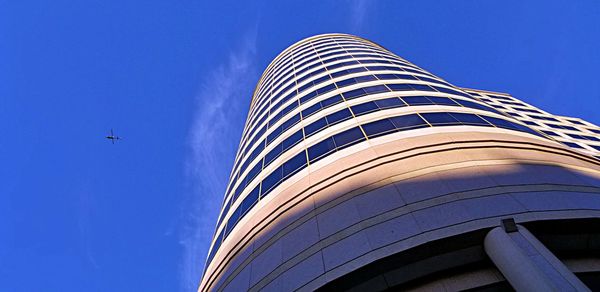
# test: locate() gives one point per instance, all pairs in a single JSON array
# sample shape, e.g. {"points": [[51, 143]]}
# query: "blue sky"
{"points": [[175, 78]]}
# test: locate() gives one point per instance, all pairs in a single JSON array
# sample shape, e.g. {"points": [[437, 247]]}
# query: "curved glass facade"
{"points": [[330, 92], [356, 166]]}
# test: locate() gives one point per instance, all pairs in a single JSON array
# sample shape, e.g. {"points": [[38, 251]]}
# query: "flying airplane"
{"points": [[112, 137]]}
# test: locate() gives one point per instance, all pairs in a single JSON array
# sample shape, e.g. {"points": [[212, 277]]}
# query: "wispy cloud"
{"points": [[359, 10], [221, 107]]}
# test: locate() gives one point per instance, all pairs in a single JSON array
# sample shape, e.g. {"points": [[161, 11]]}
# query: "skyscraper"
{"points": [[359, 170]]}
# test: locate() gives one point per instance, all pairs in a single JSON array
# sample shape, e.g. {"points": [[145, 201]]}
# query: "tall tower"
{"points": [[359, 170]]}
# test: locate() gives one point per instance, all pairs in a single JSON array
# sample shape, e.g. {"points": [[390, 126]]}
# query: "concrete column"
{"points": [[526, 263]]}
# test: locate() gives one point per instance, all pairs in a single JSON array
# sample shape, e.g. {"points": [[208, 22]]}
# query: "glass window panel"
{"points": [[445, 90], [575, 136], [320, 149], [348, 137], [216, 246], [311, 110], [249, 201], [543, 118], [365, 78], [573, 145], [400, 87], [346, 82], [526, 129], [232, 221], [470, 104], [389, 103], [500, 123], [378, 128], [292, 121], [439, 118], [253, 173], [294, 164], [331, 101], [276, 132], [238, 191], [315, 126], [421, 87], [291, 140], [338, 116], [339, 73], [275, 119], [417, 100], [376, 89], [354, 93], [469, 119], [554, 126], [576, 122], [274, 153], [321, 79], [356, 70], [305, 86], [364, 108], [591, 138], [550, 133], [226, 206], [410, 77], [308, 97], [326, 88], [380, 68], [386, 76], [406, 122], [442, 100], [271, 181]]}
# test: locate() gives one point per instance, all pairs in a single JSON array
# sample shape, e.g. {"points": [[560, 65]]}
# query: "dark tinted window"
{"points": [[442, 100], [339, 116], [363, 108], [310, 110], [422, 87], [249, 200], [315, 126], [271, 180], [376, 89], [574, 145], [354, 93], [294, 164], [469, 119], [377, 128], [408, 122], [400, 87], [550, 133], [346, 82], [332, 100], [273, 154], [389, 103], [416, 100], [318, 150], [439, 118], [348, 137], [292, 140], [500, 123], [365, 78], [325, 89]]}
